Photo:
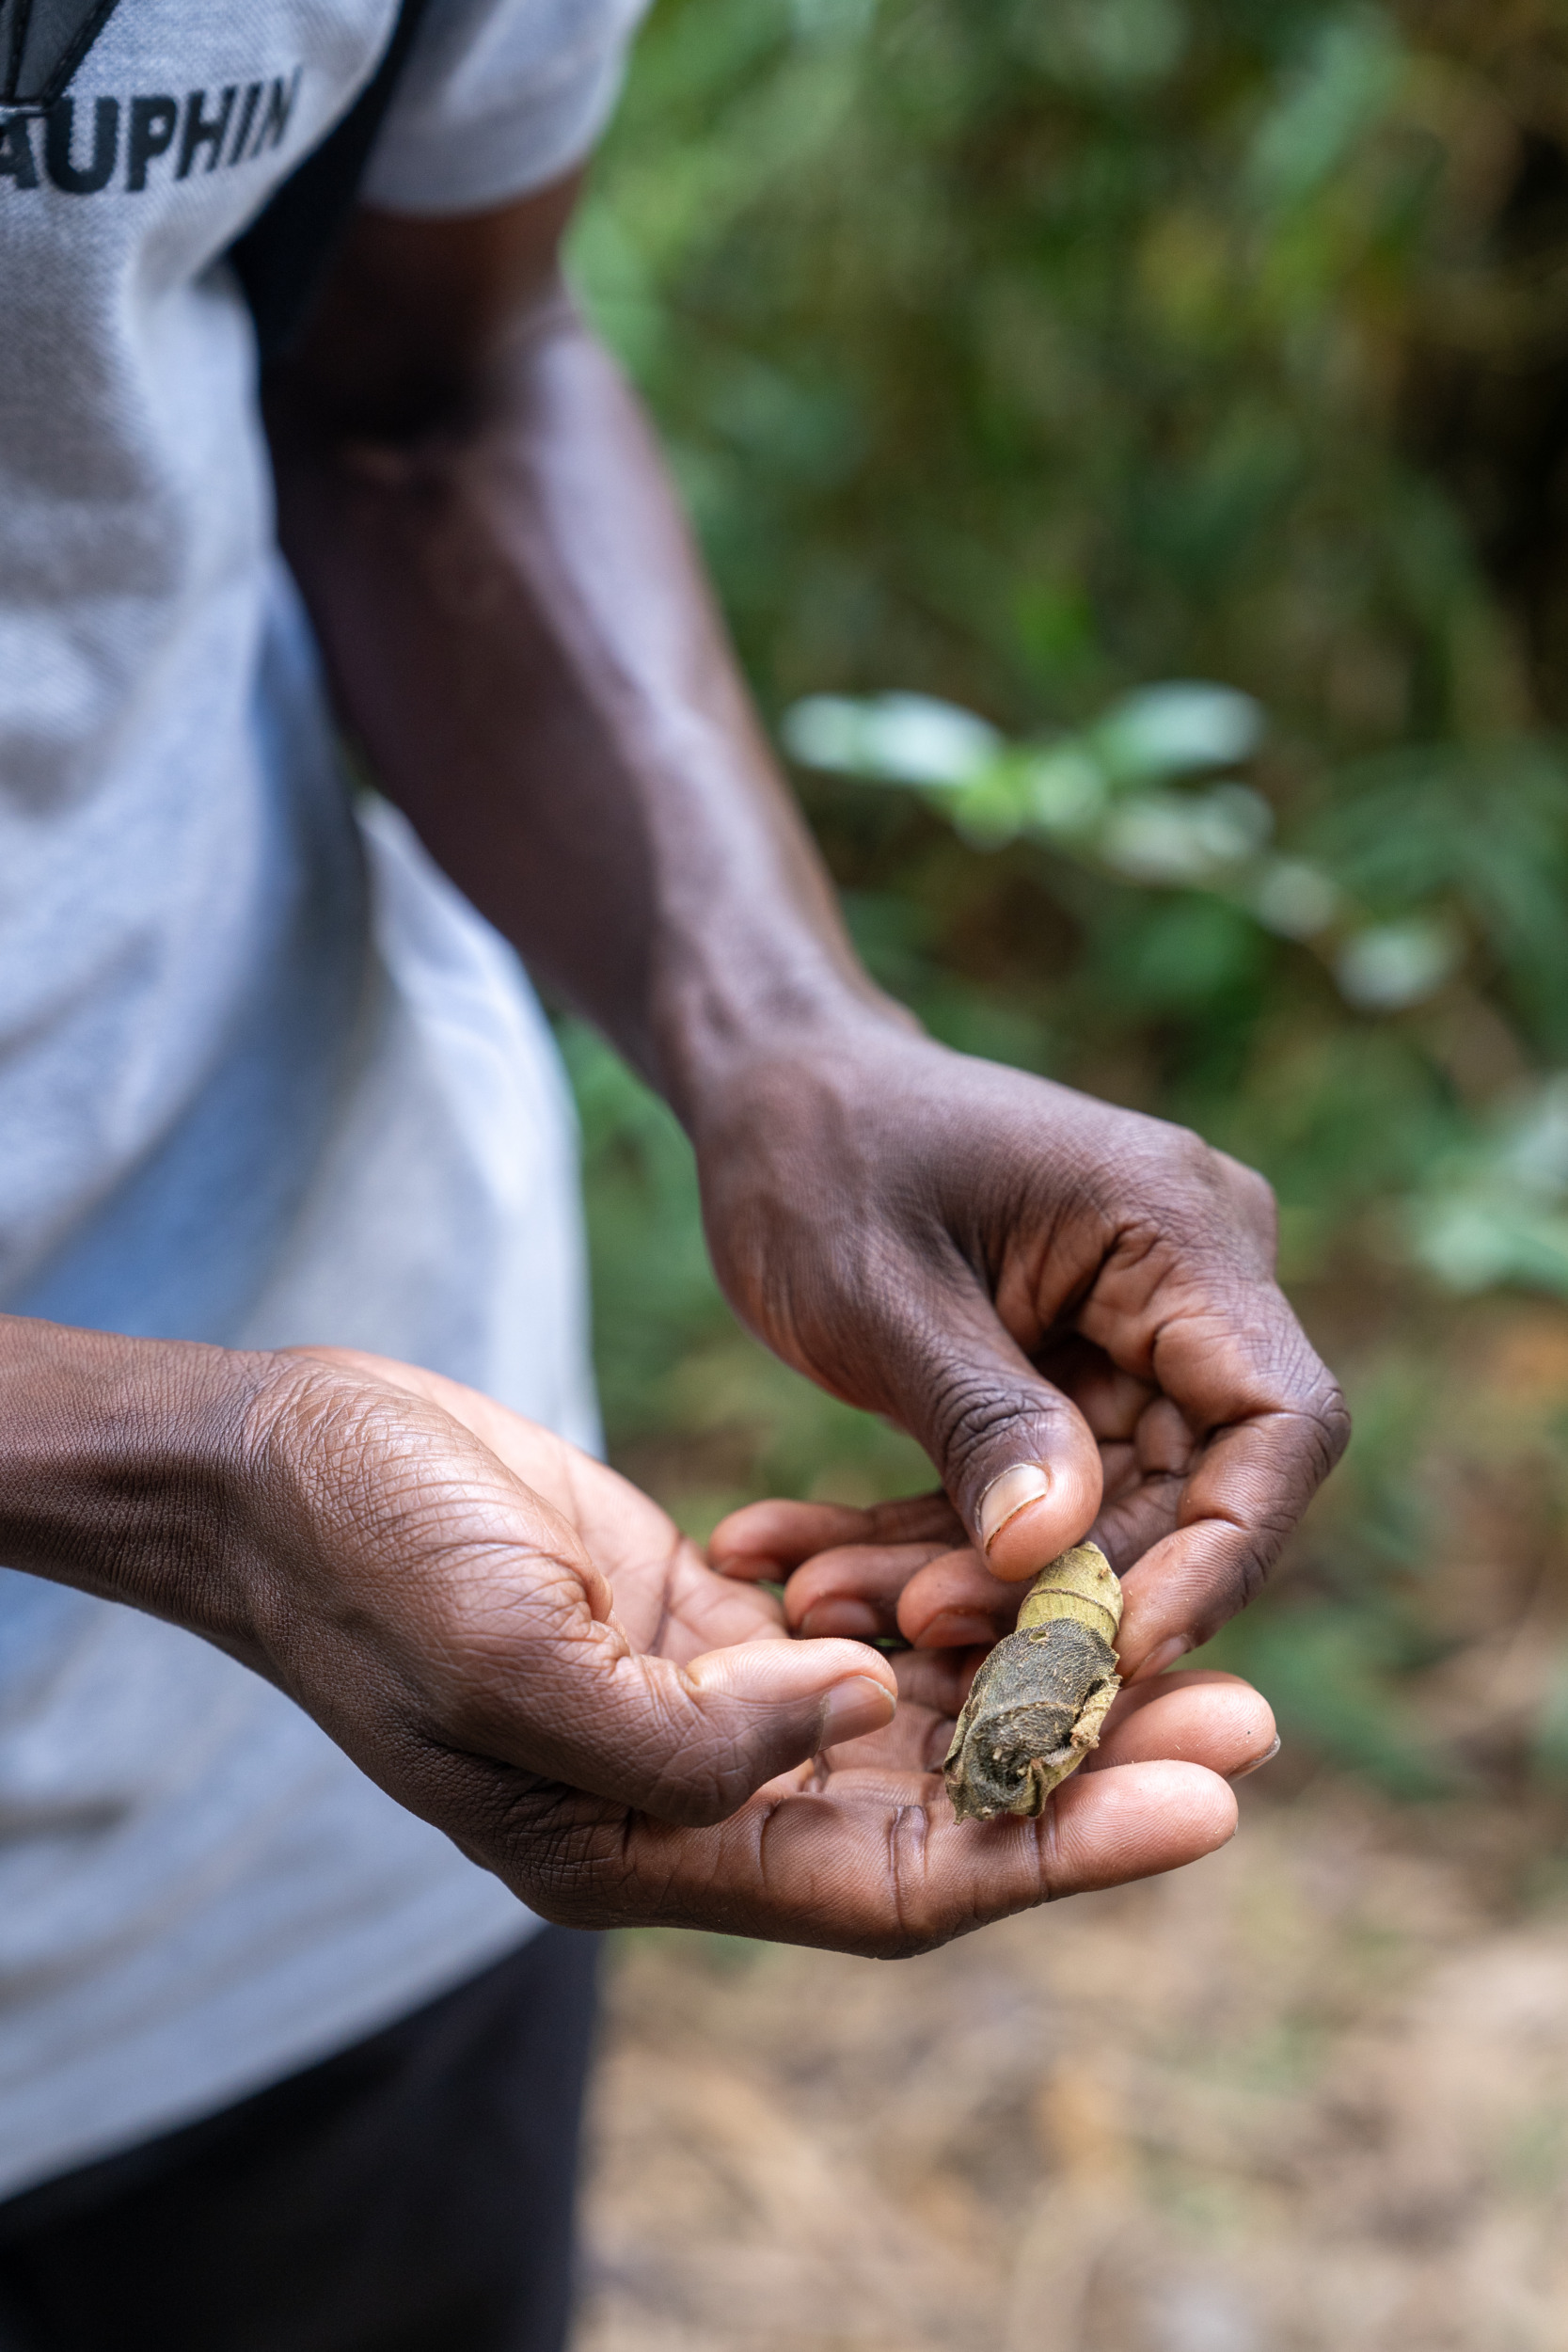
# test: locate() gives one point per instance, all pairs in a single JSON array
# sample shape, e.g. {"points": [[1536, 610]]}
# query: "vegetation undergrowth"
{"points": [[1128, 439]]}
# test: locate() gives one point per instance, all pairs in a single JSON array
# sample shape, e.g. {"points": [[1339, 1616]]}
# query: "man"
{"points": [[279, 2064]]}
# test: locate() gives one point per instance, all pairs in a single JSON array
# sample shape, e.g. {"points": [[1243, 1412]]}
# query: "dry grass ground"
{"points": [[1311, 2093], [1310, 2096]]}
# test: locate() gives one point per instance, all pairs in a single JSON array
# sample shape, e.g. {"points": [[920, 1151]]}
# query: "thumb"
{"points": [[691, 1743], [1016, 1455]]}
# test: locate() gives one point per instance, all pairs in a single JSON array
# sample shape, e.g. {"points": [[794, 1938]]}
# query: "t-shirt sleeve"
{"points": [[498, 97]]}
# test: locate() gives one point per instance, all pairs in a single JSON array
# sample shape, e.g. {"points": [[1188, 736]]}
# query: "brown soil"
{"points": [[1306, 2094], [1309, 2096]]}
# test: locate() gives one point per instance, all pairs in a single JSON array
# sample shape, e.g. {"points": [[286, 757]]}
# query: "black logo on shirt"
{"points": [[41, 44], [198, 130]]}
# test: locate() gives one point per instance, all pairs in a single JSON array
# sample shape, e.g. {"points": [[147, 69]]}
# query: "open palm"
{"points": [[523, 1648]]}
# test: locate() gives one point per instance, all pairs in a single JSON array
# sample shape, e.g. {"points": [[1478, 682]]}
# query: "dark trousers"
{"points": [[413, 2194]]}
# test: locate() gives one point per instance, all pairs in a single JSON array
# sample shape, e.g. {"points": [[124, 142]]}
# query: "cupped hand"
{"points": [[1071, 1306], [522, 1649]]}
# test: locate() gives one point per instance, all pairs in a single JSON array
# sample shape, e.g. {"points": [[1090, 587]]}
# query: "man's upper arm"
{"points": [[413, 312], [464, 201]]}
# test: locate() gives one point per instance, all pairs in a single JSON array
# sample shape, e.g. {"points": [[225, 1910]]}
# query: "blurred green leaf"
{"points": [[1177, 730], [1057, 390]]}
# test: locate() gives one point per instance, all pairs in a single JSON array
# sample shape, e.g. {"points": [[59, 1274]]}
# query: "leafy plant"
{"points": [[1012, 357], [1491, 1209]]}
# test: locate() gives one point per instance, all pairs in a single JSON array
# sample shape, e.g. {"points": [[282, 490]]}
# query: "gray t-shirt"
{"points": [[264, 1076]]}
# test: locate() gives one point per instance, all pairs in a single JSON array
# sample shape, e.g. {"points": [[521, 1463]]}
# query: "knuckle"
{"points": [[1259, 1204], [1214, 1194], [969, 1412], [1183, 1158], [1195, 1155], [1323, 1430], [1333, 1420], [1250, 1568], [1258, 1191], [1246, 1185], [1241, 1586]]}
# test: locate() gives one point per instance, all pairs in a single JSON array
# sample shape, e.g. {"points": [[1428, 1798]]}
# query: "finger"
{"points": [[1224, 1348], [1210, 1719], [535, 1682], [936, 1679], [915, 1741], [955, 1603], [1017, 1456], [1137, 1821], [768, 1539], [937, 1599], [689, 1610], [741, 1717], [855, 1589], [1110, 1399], [877, 1863], [1207, 1717], [933, 1687], [1243, 1497], [517, 1663], [1143, 1480]]}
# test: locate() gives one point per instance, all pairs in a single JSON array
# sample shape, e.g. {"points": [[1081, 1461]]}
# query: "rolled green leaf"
{"points": [[1036, 1704]]}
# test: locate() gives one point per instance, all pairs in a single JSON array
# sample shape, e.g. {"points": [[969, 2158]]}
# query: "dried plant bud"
{"points": [[1038, 1703]]}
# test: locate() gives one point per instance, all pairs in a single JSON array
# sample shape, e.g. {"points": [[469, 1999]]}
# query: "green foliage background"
{"points": [[1022, 352]]}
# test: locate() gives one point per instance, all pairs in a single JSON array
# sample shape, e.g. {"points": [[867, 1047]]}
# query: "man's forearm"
{"points": [[125, 1469], [521, 633]]}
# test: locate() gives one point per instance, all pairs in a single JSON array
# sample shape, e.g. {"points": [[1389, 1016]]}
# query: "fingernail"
{"points": [[1006, 1496], [854, 1708], [1257, 1763], [1166, 1655]]}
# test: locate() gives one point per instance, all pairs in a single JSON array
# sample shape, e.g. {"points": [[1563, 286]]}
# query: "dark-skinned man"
{"points": [[331, 1662]]}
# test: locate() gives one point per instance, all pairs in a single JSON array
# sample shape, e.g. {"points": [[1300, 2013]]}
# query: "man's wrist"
{"points": [[725, 1050], [128, 1469]]}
